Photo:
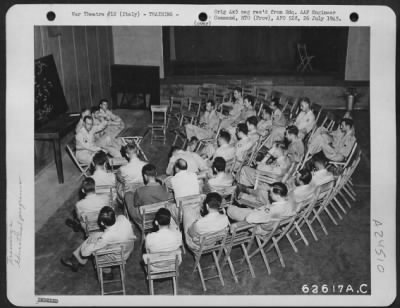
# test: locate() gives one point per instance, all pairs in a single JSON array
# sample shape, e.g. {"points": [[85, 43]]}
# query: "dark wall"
{"points": [[254, 50]]}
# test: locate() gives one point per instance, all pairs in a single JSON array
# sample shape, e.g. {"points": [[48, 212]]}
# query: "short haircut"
{"points": [[149, 170], [242, 127], [268, 110], [87, 117], [347, 122], [305, 99], [103, 100], [239, 89], [211, 101], [181, 164], [88, 185], [213, 200], [280, 189], [219, 164], [193, 139], [94, 109], [293, 130], [106, 216], [305, 176], [100, 158], [250, 99], [275, 100], [319, 158], [163, 216], [252, 120], [225, 135]]}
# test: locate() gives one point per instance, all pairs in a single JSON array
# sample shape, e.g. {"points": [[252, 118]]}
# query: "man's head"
{"points": [[131, 151], [100, 159], [224, 137], [95, 112], [346, 125], [213, 202], [248, 101], [103, 104], [274, 104], [88, 186], [237, 93], [266, 113], [319, 161], [149, 173], [192, 144], [180, 165], [88, 123], [219, 165], [106, 217], [278, 192], [85, 113], [291, 132], [251, 123], [278, 149], [305, 104], [304, 177], [210, 105], [241, 130], [162, 218]]}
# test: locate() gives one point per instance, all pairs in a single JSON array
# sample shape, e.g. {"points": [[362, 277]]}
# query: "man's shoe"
{"points": [[73, 224], [70, 262]]}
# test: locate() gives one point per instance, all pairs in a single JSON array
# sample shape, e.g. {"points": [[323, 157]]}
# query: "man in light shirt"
{"points": [[208, 125], [184, 183], [116, 229], [194, 161], [321, 175], [167, 238], [221, 178], [100, 174], [225, 149], [305, 120], [303, 189], [130, 176], [243, 145], [295, 150], [196, 224], [251, 123]]}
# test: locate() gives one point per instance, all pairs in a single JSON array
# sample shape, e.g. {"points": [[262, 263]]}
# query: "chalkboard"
{"points": [[49, 96]]}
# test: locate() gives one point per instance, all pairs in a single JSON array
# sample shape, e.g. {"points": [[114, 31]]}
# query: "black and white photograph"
{"points": [[202, 159]]}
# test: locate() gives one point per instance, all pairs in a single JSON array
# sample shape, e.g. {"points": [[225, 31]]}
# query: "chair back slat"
{"points": [[114, 254]]}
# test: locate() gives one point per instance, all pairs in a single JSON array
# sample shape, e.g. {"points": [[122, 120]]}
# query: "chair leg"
{"points": [[292, 242], [151, 286], [218, 268], [301, 234], [278, 251], [246, 255], [201, 277], [101, 280], [339, 204], [122, 273], [264, 256], [345, 200], [311, 229], [330, 215], [316, 216], [174, 283]]}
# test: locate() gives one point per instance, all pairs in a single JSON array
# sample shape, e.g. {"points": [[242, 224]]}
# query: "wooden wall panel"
{"points": [[94, 69], [82, 60], [104, 56], [68, 61], [54, 48]]}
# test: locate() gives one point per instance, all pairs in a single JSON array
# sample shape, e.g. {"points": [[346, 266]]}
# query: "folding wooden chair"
{"points": [[192, 113], [158, 124], [262, 93], [221, 95], [205, 92], [109, 190], [259, 104], [344, 164], [192, 201], [248, 158], [175, 108], [291, 108], [89, 221], [113, 255], [162, 265], [137, 140], [210, 243], [83, 168], [305, 59], [241, 234], [249, 90], [316, 108]]}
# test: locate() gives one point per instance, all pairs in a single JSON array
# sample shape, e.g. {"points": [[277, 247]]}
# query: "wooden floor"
{"points": [[341, 257]]}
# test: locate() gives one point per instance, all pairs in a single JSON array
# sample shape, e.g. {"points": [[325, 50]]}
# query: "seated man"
{"points": [[236, 106], [275, 164], [86, 146], [184, 183], [194, 161], [279, 207], [243, 145], [295, 150], [303, 189], [116, 229], [197, 222], [100, 174], [321, 175], [305, 120], [336, 145], [151, 192], [251, 123], [246, 112], [89, 204], [167, 238], [224, 149], [84, 113], [114, 122], [208, 125], [278, 124], [264, 126], [129, 176], [220, 178]]}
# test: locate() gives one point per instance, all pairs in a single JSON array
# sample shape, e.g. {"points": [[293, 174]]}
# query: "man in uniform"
{"points": [[209, 123], [295, 150]]}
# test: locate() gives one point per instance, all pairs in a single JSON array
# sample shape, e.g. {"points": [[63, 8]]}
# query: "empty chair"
{"points": [[162, 265], [206, 92], [110, 256], [305, 59], [192, 113], [158, 124], [248, 90], [175, 108], [262, 93]]}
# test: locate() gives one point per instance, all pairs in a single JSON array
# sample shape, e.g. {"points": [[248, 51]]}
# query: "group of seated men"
{"points": [[137, 183]]}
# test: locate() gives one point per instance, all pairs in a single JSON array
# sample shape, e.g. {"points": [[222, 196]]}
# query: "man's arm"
{"points": [[82, 145], [93, 243]]}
